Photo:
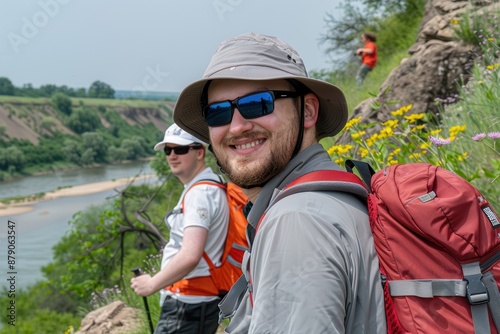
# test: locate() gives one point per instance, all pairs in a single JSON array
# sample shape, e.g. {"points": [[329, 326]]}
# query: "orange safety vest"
{"points": [[196, 286]]}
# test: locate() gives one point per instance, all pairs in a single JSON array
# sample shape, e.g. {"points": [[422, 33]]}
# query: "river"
{"points": [[39, 230]]}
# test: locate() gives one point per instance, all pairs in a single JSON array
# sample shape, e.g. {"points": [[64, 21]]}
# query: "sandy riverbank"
{"points": [[17, 208]]}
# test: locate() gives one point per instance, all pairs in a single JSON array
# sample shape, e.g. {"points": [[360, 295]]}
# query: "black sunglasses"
{"points": [[180, 150], [250, 106]]}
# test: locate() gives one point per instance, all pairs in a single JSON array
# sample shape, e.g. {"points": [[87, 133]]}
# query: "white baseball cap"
{"points": [[175, 135]]}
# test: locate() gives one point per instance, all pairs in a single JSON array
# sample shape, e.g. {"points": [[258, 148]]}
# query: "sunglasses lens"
{"points": [[218, 114], [250, 106], [256, 105], [179, 150]]}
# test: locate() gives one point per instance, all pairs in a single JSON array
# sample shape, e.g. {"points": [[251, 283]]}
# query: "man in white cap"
{"points": [[198, 224], [313, 266]]}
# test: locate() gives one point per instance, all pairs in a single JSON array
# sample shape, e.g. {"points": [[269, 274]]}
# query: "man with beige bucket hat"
{"points": [[313, 266]]}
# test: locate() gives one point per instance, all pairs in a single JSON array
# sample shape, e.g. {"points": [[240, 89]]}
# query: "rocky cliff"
{"points": [[29, 119], [438, 62]]}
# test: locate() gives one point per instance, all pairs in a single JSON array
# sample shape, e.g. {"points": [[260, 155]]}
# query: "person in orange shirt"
{"points": [[368, 55]]}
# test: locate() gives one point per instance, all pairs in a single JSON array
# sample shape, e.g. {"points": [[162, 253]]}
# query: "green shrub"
{"points": [[62, 103]]}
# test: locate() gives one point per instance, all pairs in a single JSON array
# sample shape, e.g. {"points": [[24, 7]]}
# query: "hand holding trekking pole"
{"points": [[137, 271]]}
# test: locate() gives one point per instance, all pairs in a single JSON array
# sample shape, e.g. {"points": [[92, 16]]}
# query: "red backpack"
{"points": [[438, 242], [223, 277]]}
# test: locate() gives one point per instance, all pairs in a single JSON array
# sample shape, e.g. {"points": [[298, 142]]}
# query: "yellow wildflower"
{"points": [[417, 128], [357, 135], [392, 123], [457, 129], [407, 108], [415, 156], [398, 112], [352, 122], [386, 132], [332, 150], [415, 117]]}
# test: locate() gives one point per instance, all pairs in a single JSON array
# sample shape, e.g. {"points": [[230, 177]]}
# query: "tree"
{"points": [[95, 142], [6, 86], [48, 90], [392, 17], [71, 151], [101, 90], [12, 159], [62, 103], [84, 120], [134, 147]]}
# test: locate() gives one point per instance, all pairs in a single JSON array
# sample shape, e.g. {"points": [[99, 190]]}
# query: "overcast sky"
{"points": [[147, 45]]}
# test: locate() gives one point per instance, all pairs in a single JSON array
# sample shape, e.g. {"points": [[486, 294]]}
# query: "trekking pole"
{"points": [[138, 272]]}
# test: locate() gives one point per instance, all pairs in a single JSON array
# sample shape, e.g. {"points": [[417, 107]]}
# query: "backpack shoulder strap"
{"points": [[219, 184], [321, 180], [325, 180], [364, 169]]}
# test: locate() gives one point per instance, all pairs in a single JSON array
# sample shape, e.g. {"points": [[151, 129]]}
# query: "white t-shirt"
{"points": [[204, 206]]}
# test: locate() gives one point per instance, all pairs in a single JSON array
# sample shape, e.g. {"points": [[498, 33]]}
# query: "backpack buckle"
{"points": [[477, 293]]}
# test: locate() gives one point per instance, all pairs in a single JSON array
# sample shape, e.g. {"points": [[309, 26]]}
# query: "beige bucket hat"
{"points": [[254, 56]]}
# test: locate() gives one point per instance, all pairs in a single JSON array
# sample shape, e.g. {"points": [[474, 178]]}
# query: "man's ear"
{"points": [[311, 108], [201, 153]]}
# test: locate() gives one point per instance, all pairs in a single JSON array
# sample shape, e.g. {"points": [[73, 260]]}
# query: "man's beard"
{"points": [[258, 173]]}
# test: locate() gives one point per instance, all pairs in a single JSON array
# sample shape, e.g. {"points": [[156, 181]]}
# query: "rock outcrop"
{"points": [[114, 318], [438, 62]]}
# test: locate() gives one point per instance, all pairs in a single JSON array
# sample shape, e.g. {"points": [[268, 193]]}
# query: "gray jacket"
{"points": [[313, 264]]}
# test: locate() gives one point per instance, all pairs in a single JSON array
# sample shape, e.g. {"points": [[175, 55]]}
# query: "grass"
{"points": [[85, 101]]}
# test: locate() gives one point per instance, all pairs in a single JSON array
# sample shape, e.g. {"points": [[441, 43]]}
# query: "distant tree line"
{"points": [[97, 89], [95, 143]]}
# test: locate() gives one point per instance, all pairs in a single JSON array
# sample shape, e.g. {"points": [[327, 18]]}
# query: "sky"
{"points": [[148, 45]]}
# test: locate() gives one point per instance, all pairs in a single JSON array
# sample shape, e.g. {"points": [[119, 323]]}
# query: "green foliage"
{"points": [[473, 28], [84, 120], [478, 109], [6, 86], [395, 23], [12, 158], [93, 255], [48, 90], [48, 150], [42, 321], [62, 103], [466, 141], [34, 313], [101, 90], [47, 123], [71, 151], [77, 270], [160, 165], [95, 142]]}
